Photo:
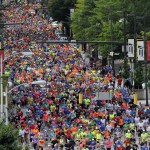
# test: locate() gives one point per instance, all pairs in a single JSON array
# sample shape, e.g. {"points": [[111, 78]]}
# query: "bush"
{"points": [[9, 138]]}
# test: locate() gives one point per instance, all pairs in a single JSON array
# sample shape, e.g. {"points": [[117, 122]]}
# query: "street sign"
{"points": [[103, 95]]}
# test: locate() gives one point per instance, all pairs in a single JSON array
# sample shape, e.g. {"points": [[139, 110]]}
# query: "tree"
{"points": [[138, 76], [83, 21], [8, 138], [96, 25], [94, 20], [60, 10]]}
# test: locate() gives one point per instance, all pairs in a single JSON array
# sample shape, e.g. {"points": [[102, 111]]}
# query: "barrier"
{"points": [[103, 95]]}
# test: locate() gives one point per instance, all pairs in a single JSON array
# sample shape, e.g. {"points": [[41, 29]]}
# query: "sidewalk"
{"points": [[143, 102]]}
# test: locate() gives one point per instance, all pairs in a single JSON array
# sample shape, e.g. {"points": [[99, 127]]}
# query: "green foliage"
{"points": [[5, 81], [102, 20], [138, 76], [99, 20], [60, 10], [8, 138], [147, 35], [126, 69], [84, 21], [100, 24]]}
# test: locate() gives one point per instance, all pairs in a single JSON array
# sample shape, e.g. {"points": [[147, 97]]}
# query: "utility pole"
{"points": [[145, 61], [2, 79], [111, 35], [135, 43], [1, 85], [124, 32]]}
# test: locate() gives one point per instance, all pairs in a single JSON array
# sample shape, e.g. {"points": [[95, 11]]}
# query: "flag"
{"points": [[1, 60], [135, 98], [140, 50], [148, 50], [131, 48], [80, 98]]}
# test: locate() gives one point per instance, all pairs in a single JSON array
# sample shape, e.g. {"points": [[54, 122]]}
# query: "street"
{"points": [[58, 100]]}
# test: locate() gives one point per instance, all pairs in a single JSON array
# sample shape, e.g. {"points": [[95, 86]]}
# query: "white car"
{"points": [[58, 32], [54, 24]]}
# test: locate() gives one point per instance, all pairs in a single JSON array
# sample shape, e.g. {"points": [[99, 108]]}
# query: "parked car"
{"points": [[55, 24], [58, 32]]}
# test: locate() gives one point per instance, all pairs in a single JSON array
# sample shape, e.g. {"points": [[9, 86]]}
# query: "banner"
{"points": [[103, 96], [135, 98], [148, 50], [1, 60], [140, 50], [130, 48], [80, 98]]}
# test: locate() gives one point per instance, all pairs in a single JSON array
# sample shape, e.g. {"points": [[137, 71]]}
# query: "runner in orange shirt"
{"points": [[121, 122], [106, 134]]}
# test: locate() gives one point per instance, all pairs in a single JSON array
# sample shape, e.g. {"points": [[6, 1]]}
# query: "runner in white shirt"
{"points": [[103, 120], [136, 120], [140, 125], [109, 127], [148, 128], [116, 106], [109, 106], [145, 121], [128, 111], [21, 135]]}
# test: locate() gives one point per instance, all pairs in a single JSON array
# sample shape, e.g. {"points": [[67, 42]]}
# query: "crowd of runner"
{"points": [[55, 117]]}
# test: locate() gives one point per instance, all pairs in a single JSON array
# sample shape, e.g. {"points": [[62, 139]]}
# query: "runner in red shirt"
{"points": [[119, 81], [45, 117]]}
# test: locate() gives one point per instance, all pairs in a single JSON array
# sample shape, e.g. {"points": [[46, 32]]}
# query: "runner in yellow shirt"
{"points": [[128, 134]]}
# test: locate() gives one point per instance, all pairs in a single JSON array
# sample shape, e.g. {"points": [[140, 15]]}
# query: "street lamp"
{"points": [[39, 82], [1, 76], [124, 30], [1, 84], [29, 54], [145, 55], [1, 66], [111, 35], [135, 47], [124, 33]]}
